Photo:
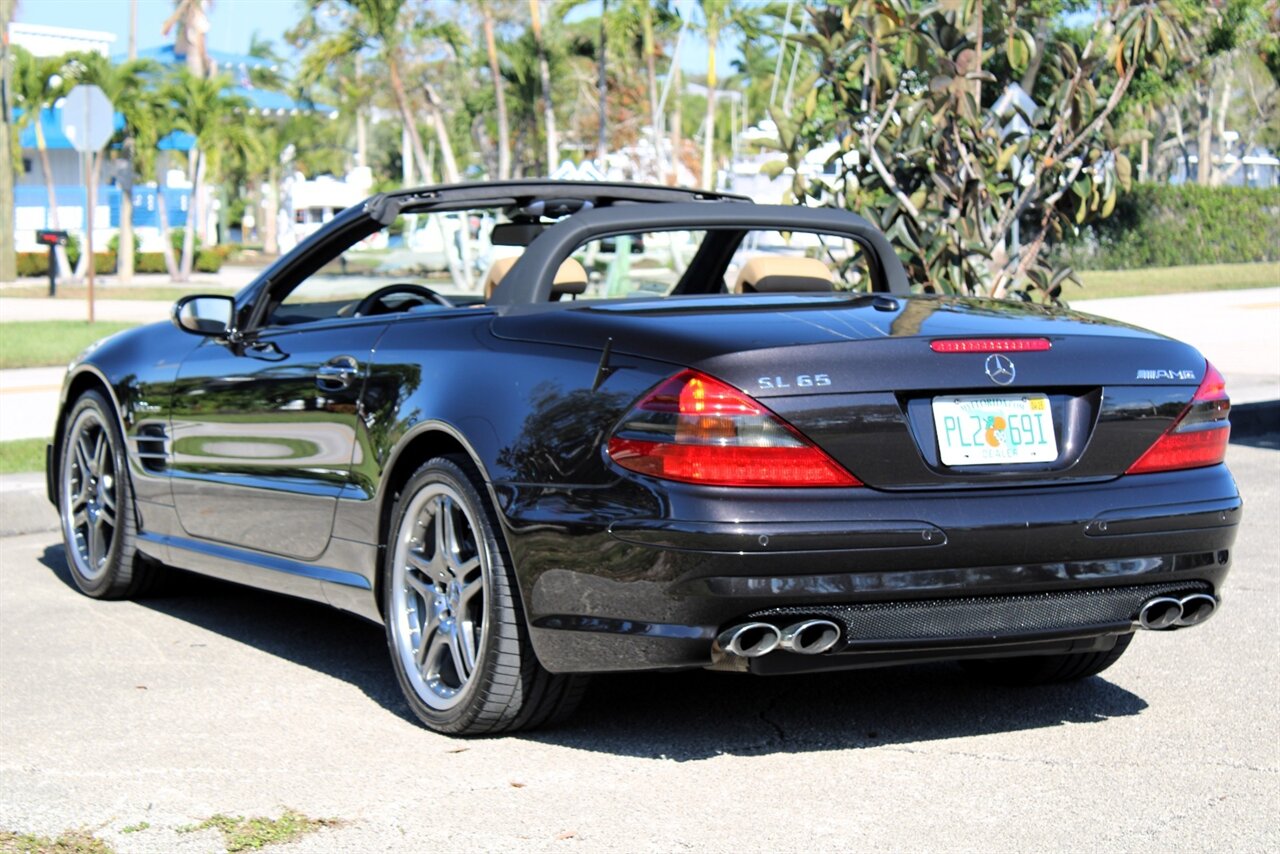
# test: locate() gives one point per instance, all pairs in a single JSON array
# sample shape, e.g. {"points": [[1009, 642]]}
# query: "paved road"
{"points": [[221, 699]]}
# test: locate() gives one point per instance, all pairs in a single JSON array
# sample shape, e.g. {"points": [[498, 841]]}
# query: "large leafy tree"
{"points": [[36, 84], [925, 153]]}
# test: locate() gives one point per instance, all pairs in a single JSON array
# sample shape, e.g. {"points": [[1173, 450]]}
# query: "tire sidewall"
{"points": [[459, 716], [104, 583]]}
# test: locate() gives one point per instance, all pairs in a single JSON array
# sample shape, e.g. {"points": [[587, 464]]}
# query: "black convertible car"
{"points": [[650, 428]]}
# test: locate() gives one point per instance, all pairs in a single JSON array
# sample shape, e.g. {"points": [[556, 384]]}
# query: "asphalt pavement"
{"points": [[215, 699]]}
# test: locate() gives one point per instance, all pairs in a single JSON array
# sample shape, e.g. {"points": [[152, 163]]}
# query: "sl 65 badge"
{"points": [[798, 381]]}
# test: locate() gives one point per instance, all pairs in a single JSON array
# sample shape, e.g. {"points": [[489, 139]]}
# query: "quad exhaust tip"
{"points": [[810, 637], [751, 640], [1166, 612]]}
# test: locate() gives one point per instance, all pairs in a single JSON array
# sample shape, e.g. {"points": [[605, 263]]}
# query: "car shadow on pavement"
{"points": [[683, 716], [308, 634]]}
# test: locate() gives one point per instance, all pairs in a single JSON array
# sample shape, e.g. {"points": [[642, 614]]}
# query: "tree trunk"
{"points": [[677, 129], [362, 131], [194, 173], [410, 125], [602, 87], [162, 216], [460, 268], [1204, 138], [1220, 125], [499, 96], [709, 129], [8, 257], [544, 80], [651, 72], [271, 214], [977, 59], [124, 251]]}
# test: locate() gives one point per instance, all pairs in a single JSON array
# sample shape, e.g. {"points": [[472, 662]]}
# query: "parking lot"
{"points": [[218, 699]]}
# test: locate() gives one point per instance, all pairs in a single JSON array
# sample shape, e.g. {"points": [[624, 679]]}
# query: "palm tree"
{"points": [[203, 109], [716, 18], [125, 86], [37, 83], [380, 27], [192, 22], [8, 260]]}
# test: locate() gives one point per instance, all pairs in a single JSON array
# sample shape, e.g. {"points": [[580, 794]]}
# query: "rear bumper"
{"points": [[607, 588]]}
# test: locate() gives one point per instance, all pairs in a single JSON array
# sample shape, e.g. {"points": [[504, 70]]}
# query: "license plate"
{"points": [[996, 430]]}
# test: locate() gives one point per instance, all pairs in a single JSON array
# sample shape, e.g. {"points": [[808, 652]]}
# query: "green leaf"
{"points": [[1016, 50], [773, 168], [1002, 162], [1124, 171]]}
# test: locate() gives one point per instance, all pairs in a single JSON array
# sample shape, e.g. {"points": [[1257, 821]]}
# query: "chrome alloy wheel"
{"points": [[438, 583], [90, 495]]}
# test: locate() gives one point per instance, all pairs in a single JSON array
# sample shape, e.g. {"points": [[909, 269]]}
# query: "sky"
{"points": [[233, 23]]}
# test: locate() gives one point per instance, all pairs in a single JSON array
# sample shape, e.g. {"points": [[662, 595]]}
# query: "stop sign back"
{"points": [[87, 118]]}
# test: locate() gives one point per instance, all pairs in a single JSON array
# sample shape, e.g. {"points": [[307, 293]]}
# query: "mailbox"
{"points": [[48, 237]]}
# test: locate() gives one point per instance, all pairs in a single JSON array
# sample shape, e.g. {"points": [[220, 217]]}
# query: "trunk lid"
{"points": [[857, 375]]}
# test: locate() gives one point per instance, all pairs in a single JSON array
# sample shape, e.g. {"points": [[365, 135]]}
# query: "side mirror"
{"points": [[204, 314]]}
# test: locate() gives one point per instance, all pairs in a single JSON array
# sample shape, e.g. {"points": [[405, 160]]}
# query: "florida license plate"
{"points": [[996, 430]]}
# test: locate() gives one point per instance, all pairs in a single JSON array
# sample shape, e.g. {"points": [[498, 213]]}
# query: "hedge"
{"points": [[37, 263], [1162, 225]]}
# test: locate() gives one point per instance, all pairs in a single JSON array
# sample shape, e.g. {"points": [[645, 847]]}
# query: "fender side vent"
{"points": [[152, 447]]}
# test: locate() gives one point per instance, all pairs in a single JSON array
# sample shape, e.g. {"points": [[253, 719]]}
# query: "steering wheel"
{"points": [[372, 304]]}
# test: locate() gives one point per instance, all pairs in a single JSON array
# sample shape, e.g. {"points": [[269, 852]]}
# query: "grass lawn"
{"points": [[22, 455], [1103, 284], [168, 293], [37, 343]]}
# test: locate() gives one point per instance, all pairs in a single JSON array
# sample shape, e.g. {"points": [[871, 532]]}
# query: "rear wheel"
{"points": [[455, 628], [1046, 669], [95, 502]]}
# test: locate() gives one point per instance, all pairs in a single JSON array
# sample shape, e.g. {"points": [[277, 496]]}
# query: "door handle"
{"points": [[337, 374]]}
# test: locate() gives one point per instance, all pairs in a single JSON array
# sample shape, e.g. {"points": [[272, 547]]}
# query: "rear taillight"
{"points": [[696, 429], [1198, 437]]}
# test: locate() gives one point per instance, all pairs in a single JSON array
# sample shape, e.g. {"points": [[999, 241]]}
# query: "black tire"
{"points": [[1046, 669], [95, 504], [490, 681]]}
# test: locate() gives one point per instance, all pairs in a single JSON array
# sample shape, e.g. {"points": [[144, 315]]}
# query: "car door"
{"points": [[264, 431]]}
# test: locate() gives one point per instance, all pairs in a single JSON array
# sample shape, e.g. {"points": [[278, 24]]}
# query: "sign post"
{"points": [[88, 121]]}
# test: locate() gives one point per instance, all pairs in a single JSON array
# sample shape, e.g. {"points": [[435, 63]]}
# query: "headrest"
{"points": [[783, 274], [571, 278]]}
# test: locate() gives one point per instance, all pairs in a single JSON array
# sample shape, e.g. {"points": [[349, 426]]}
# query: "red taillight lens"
{"points": [[990, 345], [1198, 437], [696, 429]]}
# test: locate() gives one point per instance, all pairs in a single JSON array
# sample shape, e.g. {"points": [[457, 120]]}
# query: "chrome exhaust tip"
{"points": [[1196, 608], [810, 637], [750, 640], [1159, 613]]}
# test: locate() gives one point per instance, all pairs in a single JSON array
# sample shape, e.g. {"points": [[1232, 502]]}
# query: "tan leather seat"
{"points": [[571, 278], [783, 274]]}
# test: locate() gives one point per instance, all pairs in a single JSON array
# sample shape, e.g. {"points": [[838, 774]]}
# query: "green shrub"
{"points": [[149, 262], [1161, 225], [208, 261], [33, 263], [113, 245], [37, 263], [177, 235]]}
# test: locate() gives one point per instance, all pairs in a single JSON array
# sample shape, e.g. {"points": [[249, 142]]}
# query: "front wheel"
{"points": [[95, 503], [455, 629], [1046, 669]]}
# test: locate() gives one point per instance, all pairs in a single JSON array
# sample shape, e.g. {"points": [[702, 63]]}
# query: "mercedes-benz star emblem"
{"points": [[1000, 369]]}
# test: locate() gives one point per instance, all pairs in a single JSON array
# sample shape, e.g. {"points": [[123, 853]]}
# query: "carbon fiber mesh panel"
{"points": [[986, 615]]}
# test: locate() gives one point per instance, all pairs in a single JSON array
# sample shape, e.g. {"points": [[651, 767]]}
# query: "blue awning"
{"points": [[51, 124]]}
